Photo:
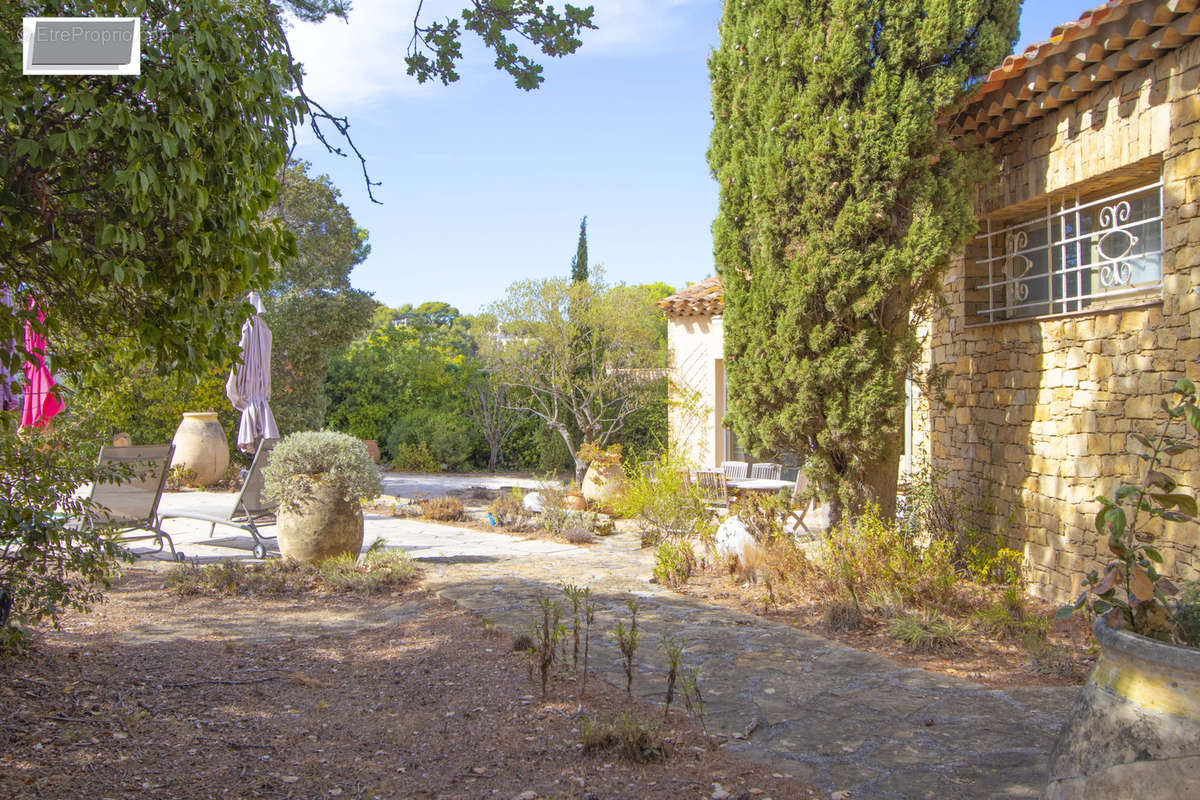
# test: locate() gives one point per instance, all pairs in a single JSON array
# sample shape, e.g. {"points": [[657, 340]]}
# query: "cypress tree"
{"points": [[579, 264], [842, 202]]}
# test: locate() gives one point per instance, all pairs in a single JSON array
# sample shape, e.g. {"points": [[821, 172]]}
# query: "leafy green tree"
{"points": [[396, 370], [842, 200], [579, 263], [311, 308], [132, 208], [593, 388]]}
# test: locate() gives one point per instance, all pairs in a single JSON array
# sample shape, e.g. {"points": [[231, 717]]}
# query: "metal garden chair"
{"points": [[131, 506], [250, 509]]}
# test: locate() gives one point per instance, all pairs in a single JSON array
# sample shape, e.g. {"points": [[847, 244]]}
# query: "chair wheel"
{"points": [[260, 551]]}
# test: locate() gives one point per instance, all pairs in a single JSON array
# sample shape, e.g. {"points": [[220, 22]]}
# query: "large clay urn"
{"points": [[200, 445], [320, 525], [603, 483], [1135, 731], [372, 449]]}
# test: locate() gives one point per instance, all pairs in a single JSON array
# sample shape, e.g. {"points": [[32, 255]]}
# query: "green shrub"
{"points": [[302, 460], [380, 571], [415, 458], [636, 741], [47, 563], [179, 477], [927, 633], [662, 497], [443, 509], [873, 554], [673, 563], [508, 510], [1187, 614], [451, 437]]}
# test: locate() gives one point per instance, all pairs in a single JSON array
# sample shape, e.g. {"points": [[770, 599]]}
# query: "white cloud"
{"points": [[633, 23], [362, 61]]}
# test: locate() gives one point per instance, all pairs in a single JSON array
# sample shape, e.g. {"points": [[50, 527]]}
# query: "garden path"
{"points": [[842, 719]]}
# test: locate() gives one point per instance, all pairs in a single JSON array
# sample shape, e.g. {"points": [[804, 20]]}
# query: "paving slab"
{"points": [[798, 703]]}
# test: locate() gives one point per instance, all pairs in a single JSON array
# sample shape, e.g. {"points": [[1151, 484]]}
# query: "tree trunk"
{"points": [[580, 465], [493, 455], [881, 476]]}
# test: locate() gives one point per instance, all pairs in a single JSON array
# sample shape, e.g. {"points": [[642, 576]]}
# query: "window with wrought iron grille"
{"points": [[1080, 255]]}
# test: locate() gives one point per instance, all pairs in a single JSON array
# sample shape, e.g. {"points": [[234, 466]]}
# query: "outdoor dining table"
{"points": [[766, 485]]}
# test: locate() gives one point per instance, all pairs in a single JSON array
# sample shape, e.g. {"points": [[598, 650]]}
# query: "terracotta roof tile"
{"points": [[1104, 43], [703, 298]]}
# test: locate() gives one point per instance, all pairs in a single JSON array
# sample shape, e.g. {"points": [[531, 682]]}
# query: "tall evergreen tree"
{"points": [[579, 264], [842, 201]]}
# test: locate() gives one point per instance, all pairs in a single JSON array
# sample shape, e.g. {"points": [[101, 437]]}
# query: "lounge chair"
{"points": [[250, 509], [131, 506]]}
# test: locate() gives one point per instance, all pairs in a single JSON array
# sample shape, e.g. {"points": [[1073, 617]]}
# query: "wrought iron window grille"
{"points": [[1079, 256]]}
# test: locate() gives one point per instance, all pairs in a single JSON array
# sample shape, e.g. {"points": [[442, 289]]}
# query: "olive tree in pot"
{"points": [[1136, 727], [321, 479]]}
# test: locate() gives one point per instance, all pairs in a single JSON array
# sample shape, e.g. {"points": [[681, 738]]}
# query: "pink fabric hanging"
{"points": [[41, 403]]}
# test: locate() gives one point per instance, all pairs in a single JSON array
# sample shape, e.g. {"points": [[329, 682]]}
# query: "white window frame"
{"points": [[1008, 250]]}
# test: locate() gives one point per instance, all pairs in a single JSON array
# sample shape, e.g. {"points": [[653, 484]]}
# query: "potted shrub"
{"points": [[1136, 727], [321, 479], [604, 477]]}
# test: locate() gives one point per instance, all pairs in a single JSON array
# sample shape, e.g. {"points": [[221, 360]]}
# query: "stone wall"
{"points": [[1039, 410]]}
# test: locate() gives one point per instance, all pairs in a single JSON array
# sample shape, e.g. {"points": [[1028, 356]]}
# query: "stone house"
{"points": [[1074, 310]]}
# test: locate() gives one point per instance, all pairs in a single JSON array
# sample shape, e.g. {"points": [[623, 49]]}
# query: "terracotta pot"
{"points": [[1135, 731], [200, 445], [575, 501], [319, 526], [603, 483], [372, 446]]}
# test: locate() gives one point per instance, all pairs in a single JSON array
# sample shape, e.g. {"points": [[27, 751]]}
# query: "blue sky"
{"points": [[484, 184]]}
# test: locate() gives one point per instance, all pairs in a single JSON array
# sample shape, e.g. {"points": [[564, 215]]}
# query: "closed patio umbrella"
{"points": [[249, 384], [41, 402]]}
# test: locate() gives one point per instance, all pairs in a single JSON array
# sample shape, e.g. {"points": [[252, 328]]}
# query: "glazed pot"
{"points": [[1135, 731], [603, 483], [320, 525], [575, 501], [201, 446]]}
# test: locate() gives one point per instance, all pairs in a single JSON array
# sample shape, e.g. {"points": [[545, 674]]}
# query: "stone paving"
{"points": [[842, 719]]}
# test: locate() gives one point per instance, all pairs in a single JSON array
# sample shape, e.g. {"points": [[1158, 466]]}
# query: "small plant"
{"points": [[443, 509], [415, 457], [674, 651], [843, 615], [379, 572], [673, 563], [1046, 658], [302, 460], [546, 633], [1131, 583], [627, 642], [593, 453], [1187, 614], [577, 595], [637, 742], [589, 616], [508, 511], [927, 633], [577, 532], [180, 476], [693, 700]]}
